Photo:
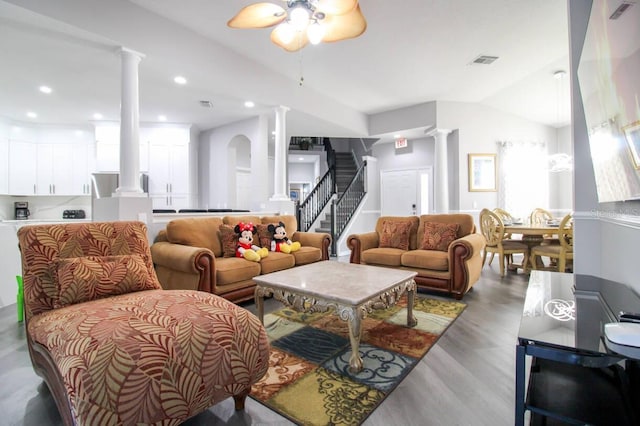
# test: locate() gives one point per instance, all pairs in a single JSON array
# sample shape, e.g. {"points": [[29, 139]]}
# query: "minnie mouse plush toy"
{"points": [[280, 241], [246, 248]]}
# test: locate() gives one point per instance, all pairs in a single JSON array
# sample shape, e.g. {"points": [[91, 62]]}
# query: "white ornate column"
{"points": [[129, 184], [280, 192], [128, 202], [441, 172]]}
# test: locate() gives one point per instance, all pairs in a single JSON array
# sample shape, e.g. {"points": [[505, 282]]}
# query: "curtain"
{"points": [[523, 180]]}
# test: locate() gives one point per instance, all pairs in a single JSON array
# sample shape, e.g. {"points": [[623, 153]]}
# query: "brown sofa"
{"points": [[452, 270], [188, 254]]}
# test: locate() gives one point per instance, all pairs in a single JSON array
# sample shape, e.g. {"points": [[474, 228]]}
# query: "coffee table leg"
{"points": [[411, 320], [355, 330], [258, 296]]}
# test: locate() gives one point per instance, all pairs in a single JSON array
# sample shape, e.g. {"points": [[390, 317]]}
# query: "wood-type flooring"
{"points": [[467, 378]]}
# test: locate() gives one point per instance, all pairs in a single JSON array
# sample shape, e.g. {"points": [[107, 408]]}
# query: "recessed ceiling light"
{"points": [[301, 158], [79, 133], [249, 104], [45, 89], [32, 114], [97, 116], [180, 79], [162, 118]]}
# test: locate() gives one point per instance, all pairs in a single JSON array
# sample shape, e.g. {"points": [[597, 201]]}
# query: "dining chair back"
{"points": [[562, 253], [492, 228], [540, 216]]}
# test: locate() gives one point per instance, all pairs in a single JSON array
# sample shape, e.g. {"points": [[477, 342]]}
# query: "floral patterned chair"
{"points": [[112, 346]]}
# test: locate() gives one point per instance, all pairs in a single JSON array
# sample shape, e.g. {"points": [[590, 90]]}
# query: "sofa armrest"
{"points": [[358, 243], [176, 260], [465, 262], [320, 240]]}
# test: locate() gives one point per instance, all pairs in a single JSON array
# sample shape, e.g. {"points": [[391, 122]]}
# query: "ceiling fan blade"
{"points": [[258, 15], [342, 27], [336, 7], [299, 41]]}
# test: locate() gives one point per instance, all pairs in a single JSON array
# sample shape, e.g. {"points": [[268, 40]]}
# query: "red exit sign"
{"points": [[401, 143]]}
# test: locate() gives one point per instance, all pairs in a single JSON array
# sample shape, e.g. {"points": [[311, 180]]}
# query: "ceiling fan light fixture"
{"points": [[299, 17], [286, 32], [315, 32]]}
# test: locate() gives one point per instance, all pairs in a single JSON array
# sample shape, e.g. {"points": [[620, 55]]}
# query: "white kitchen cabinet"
{"points": [[62, 169], [22, 167], [169, 175], [4, 166]]}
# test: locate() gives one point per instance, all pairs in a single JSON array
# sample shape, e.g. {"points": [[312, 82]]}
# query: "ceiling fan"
{"points": [[299, 22]]}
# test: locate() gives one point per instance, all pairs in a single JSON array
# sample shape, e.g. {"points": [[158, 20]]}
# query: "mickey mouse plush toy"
{"points": [[246, 248], [280, 241]]}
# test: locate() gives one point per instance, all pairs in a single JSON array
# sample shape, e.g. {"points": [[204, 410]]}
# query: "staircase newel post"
{"points": [[299, 217], [333, 229]]}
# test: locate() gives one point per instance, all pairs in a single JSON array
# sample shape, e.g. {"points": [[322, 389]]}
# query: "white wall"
{"points": [[418, 153], [479, 128], [214, 148]]}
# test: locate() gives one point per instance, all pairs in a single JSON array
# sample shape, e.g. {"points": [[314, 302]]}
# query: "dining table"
{"points": [[533, 235]]}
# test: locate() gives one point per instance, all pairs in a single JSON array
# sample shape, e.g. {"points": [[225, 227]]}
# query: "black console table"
{"points": [[573, 378]]}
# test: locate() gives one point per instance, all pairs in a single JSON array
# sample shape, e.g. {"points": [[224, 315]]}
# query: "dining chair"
{"points": [[562, 252], [506, 218], [492, 228], [540, 216]]}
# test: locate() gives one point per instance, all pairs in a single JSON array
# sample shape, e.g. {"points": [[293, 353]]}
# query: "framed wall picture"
{"points": [[632, 136], [294, 194], [483, 176]]}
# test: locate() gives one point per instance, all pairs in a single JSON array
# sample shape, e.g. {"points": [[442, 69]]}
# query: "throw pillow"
{"points": [[229, 240], [81, 279], [438, 236], [395, 234], [264, 236]]}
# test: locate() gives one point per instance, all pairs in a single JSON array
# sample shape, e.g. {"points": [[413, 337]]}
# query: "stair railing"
{"points": [[309, 209], [343, 209]]}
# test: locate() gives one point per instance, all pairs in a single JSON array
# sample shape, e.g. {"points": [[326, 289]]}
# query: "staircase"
{"points": [[346, 169]]}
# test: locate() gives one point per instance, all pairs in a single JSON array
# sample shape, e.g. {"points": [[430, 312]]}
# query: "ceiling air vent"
{"points": [[206, 104], [621, 9], [484, 60]]}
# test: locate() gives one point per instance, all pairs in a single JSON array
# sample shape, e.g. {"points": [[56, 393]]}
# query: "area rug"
{"points": [[308, 380]]}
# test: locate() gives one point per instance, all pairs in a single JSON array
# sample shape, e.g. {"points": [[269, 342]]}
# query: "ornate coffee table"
{"points": [[350, 289]]}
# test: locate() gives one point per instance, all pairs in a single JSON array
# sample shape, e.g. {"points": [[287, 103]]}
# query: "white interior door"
{"points": [[406, 192], [399, 193]]}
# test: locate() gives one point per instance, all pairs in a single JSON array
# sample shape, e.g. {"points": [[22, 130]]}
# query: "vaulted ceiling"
{"points": [[413, 51]]}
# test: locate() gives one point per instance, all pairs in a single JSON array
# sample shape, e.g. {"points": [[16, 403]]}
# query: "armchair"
{"points": [[112, 346]]}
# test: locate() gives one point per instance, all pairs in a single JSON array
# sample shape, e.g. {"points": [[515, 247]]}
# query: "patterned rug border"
{"points": [[303, 320]]}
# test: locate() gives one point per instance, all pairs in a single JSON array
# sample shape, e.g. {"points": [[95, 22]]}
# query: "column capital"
{"points": [[438, 131], [125, 51], [282, 109]]}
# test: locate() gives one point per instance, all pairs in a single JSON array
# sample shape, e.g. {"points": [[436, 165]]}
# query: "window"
{"points": [[523, 177]]}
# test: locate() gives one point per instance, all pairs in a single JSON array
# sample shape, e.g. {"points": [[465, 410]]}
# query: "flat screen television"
{"points": [[609, 79]]}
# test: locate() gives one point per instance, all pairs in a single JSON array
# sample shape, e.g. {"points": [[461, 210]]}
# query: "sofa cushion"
{"points": [[464, 220], [276, 261], [81, 279], [264, 236], [382, 256], [196, 232], [307, 255], [233, 269], [395, 234], [426, 259], [438, 236], [413, 243], [229, 240]]}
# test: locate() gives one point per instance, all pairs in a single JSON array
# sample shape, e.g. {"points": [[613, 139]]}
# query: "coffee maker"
{"points": [[22, 210]]}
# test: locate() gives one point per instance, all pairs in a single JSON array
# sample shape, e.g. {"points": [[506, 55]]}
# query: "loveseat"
{"points": [[443, 249], [199, 254]]}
